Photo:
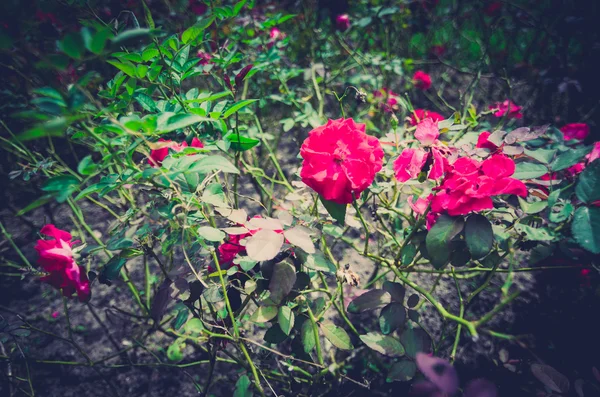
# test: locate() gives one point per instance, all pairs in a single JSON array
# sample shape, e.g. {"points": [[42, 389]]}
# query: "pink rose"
{"points": [[56, 259], [342, 22], [575, 131], [340, 160], [500, 109], [422, 80], [204, 58], [484, 143], [469, 186], [427, 132], [391, 103], [419, 115], [158, 155]]}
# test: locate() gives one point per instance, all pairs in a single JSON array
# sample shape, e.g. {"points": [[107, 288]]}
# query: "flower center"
{"points": [[340, 153]]}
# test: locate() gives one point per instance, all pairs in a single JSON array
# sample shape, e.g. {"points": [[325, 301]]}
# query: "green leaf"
{"points": [[242, 387], [175, 351], [439, 237], [171, 121], [61, 186], [192, 33], [126, 67], [560, 212], [392, 317], [146, 102], [37, 203], [586, 228], [282, 281], [415, 340], [569, 158], [150, 53], [402, 371], [98, 41], [213, 163], [264, 314], [396, 290], [286, 319], [86, 166], [240, 143], [535, 234], [337, 211], [479, 235], [131, 36], [316, 261], [274, 335], [181, 318], [194, 326], [72, 45], [588, 186], [213, 194], [210, 233], [236, 107], [308, 336], [113, 267], [54, 127], [383, 344], [336, 335], [542, 155], [525, 170], [369, 300], [532, 208]]}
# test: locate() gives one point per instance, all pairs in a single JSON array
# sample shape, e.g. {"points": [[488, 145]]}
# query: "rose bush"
{"points": [[181, 145]]}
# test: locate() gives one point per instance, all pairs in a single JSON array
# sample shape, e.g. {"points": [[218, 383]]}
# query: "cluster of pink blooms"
{"points": [[158, 155], [467, 184], [56, 259]]}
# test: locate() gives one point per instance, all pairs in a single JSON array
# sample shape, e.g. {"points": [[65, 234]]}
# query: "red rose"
{"points": [[422, 80], [500, 109], [421, 114], [158, 155], [56, 258], [342, 22], [340, 159], [469, 186], [575, 131]]}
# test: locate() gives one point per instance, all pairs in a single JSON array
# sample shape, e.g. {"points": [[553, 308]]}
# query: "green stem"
{"points": [[8, 237], [315, 328]]}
